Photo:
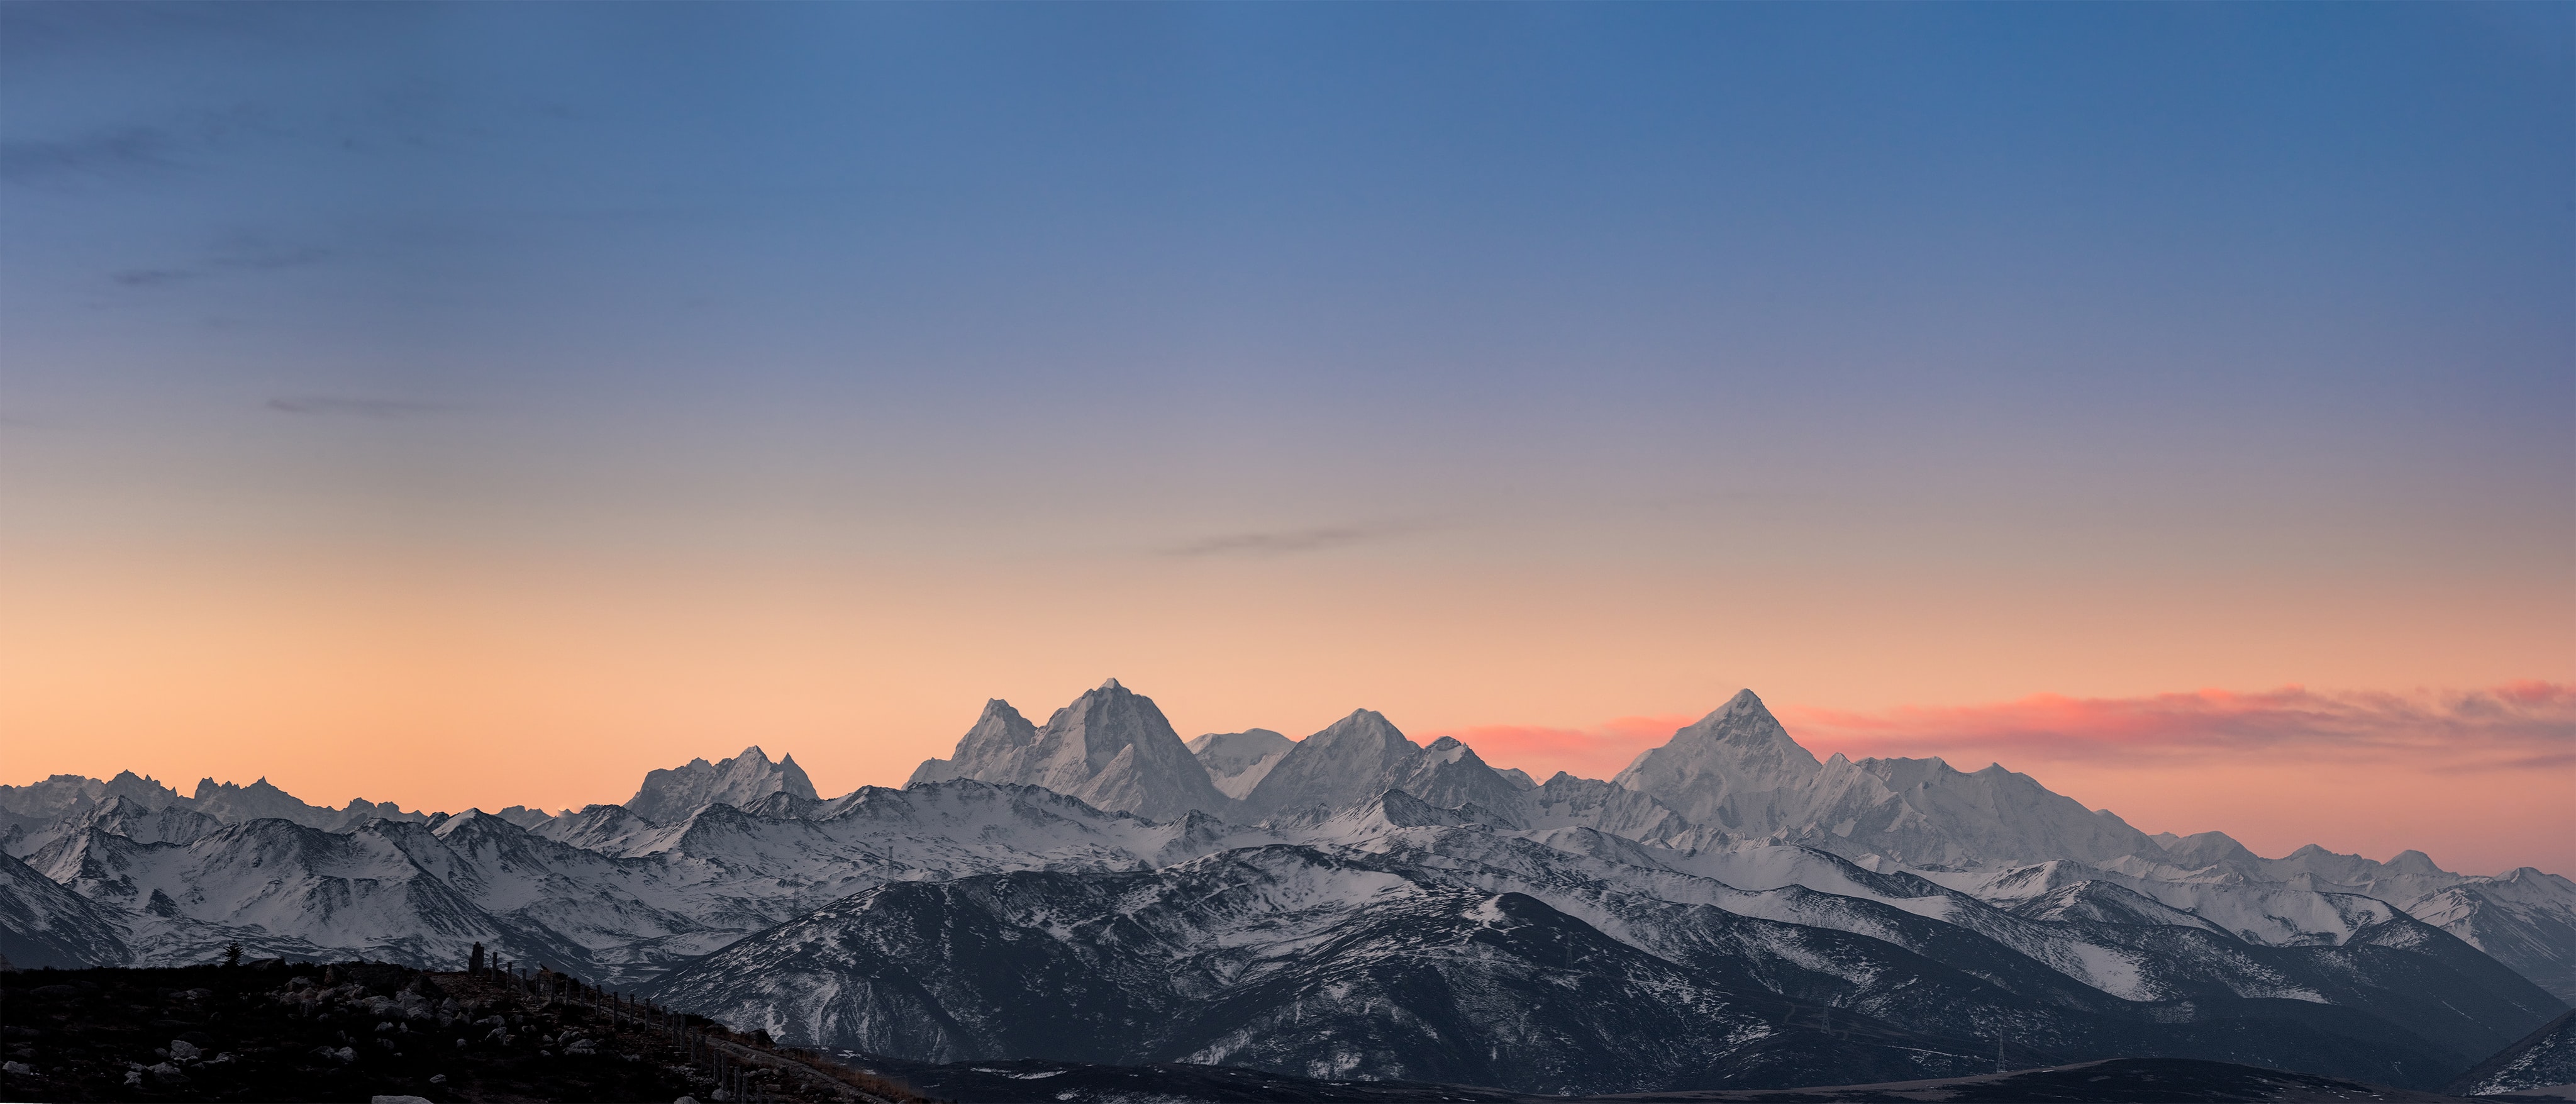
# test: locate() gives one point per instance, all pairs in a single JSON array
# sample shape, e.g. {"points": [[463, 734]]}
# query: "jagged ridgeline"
{"points": [[1729, 911]]}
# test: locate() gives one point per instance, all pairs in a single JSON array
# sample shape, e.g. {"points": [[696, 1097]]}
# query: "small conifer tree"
{"points": [[232, 954]]}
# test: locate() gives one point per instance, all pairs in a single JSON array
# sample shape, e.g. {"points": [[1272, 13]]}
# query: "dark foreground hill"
{"points": [[274, 1031], [354, 1031]]}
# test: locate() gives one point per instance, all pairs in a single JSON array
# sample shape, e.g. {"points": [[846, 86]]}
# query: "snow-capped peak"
{"points": [[1111, 747], [673, 795]]}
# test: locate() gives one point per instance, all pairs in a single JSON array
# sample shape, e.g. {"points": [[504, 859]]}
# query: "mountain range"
{"points": [[1728, 911]]}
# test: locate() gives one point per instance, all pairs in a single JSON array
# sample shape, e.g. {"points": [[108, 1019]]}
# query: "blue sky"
{"points": [[2131, 326]]}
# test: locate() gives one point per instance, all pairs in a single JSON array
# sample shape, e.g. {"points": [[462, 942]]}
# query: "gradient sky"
{"points": [[482, 404]]}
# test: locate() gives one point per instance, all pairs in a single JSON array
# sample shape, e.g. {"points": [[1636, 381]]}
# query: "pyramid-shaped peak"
{"points": [[1110, 685], [1364, 727], [1745, 709], [1746, 724]]}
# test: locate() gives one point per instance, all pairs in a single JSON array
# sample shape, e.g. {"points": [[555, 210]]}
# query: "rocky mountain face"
{"points": [[1736, 770], [1238, 761], [1728, 911], [671, 796], [1111, 748], [2544, 1059], [33, 816], [43, 924], [1362, 755]]}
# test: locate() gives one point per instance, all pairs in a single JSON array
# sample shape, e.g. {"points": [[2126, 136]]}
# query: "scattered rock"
{"points": [[185, 1051]]}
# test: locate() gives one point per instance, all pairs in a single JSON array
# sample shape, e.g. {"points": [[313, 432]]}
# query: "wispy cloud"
{"points": [[97, 155], [343, 406], [238, 254], [2515, 726], [1286, 542]]}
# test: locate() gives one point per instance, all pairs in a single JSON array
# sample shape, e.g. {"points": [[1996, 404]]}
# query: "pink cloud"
{"points": [[2479, 778], [2519, 725]]}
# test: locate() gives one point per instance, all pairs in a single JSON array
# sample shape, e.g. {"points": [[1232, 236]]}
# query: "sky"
{"points": [[475, 405]]}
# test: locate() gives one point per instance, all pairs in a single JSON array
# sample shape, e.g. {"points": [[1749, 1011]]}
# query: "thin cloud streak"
{"points": [[96, 155], [2514, 726], [343, 406], [245, 255]]}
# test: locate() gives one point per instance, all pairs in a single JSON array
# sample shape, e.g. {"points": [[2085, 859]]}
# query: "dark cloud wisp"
{"points": [[96, 155]]}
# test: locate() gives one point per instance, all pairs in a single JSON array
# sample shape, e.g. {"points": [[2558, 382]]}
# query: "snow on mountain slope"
{"points": [[1914, 900], [608, 829], [278, 888], [124, 816], [2105, 902], [1833, 977], [234, 804], [1353, 760], [37, 816], [42, 924], [65, 795], [1735, 769], [2525, 918], [1236, 761], [2544, 1059], [2482, 1003], [1356, 759], [1279, 958], [1111, 748], [670, 796], [1565, 801], [1924, 813]]}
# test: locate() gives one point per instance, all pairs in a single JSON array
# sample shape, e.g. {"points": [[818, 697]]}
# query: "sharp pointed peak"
{"points": [[1743, 713], [1110, 685]]}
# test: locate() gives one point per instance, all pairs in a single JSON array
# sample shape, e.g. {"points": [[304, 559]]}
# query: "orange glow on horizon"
{"points": [[441, 682]]}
